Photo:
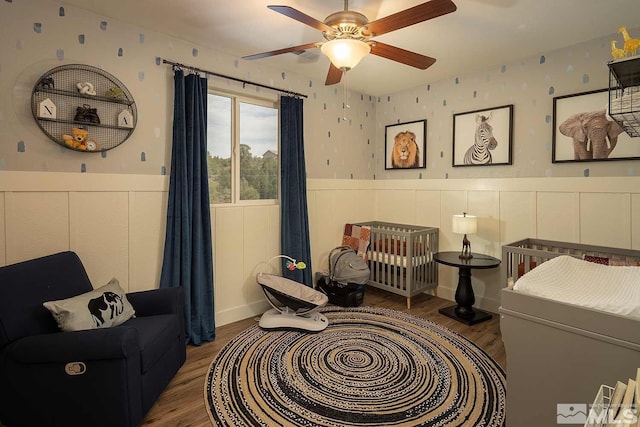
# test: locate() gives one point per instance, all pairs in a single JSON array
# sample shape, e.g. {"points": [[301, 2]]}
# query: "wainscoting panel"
{"points": [[353, 206], [117, 223], [428, 208], [396, 205], [99, 231], [329, 211], [509, 210], [114, 222], [453, 203], [273, 238], [228, 253], [517, 216], [147, 219], [605, 219], [37, 224], [313, 226], [3, 236], [558, 216], [324, 227], [245, 240], [258, 237], [485, 205], [635, 221]]}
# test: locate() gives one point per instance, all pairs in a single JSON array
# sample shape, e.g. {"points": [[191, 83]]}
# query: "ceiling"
{"points": [[480, 35]]}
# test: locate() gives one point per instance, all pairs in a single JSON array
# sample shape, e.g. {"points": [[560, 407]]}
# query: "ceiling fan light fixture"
{"points": [[345, 53]]}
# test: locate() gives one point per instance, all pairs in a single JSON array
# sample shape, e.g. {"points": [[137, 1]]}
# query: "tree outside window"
{"points": [[242, 149]]}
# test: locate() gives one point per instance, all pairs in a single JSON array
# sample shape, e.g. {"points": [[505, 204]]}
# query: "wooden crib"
{"points": [[400, 258]]}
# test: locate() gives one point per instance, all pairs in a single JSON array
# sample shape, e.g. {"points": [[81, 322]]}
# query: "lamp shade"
{"points": [[345, 53], [464, 224]]}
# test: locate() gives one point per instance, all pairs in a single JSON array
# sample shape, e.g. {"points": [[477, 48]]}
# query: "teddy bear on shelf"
{"points": [[79, 140]]}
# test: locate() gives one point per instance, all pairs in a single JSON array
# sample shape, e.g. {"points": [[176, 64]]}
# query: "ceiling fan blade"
{"points": [[404, 56], [333, 76], [301, 17], [411, 16], [281, 51]]}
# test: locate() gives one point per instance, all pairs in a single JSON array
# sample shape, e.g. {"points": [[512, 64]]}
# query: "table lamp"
{"points": [[465, 224]]}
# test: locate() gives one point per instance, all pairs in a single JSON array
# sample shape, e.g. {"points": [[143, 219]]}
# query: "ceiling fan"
{"points": [[349, 34]]}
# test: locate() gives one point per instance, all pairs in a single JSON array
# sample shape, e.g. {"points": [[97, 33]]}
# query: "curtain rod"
{"points": [[199, 70]]}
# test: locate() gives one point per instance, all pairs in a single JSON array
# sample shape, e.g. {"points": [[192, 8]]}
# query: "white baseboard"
{"points": [[235, 314], [231, 315]]}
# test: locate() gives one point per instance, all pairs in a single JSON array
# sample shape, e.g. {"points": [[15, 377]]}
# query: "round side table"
{"points": [[464, 311]]}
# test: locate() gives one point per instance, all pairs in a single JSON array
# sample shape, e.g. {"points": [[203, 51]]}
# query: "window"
{"points": [[242, 144]]}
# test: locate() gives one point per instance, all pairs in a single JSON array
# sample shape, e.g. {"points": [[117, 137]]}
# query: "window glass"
{"points": [[242, 148], [258, 152], [219, 144]]}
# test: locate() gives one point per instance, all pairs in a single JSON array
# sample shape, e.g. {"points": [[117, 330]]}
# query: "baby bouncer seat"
{"points": [[294, 304]]}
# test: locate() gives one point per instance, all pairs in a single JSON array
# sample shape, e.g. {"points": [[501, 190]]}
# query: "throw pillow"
{"points": [[596, 259], [610, 261], [101, 308]]}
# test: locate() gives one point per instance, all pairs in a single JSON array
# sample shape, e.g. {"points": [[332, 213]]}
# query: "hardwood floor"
{"points": [[182, 403]]}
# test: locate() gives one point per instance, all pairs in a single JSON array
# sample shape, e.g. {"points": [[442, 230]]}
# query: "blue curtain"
{"points": [[294, 218], [188, 260]]}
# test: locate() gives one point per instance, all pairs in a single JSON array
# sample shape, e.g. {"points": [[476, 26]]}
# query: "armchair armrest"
{"points": [[158, 301], [61, 347]]}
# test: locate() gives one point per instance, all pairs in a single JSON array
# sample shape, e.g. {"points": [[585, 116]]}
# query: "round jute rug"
{"points": [[370, 367]]}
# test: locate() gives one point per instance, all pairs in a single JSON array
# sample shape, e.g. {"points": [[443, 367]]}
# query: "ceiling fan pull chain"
{"points": [[345, 105]]}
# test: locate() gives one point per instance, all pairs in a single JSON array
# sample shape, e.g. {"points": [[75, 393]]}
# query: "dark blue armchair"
{"points": [[97, 377]]}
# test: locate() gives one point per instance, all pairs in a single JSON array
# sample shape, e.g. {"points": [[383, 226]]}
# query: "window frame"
{"points": [[236, 100]]}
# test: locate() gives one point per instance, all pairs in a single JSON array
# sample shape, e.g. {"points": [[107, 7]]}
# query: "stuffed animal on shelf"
{"points": [[79, 140]]}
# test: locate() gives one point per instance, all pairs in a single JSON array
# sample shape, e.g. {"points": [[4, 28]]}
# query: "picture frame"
{"points": [[405, 145], [603, 141], [494, 126]]}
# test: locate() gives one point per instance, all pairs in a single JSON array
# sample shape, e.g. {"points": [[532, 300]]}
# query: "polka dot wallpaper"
{"points": [[530, 86], [38, 35], [340, 143]]}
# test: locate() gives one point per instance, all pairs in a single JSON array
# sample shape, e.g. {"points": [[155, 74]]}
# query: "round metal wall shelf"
{"points": [[87, 98]]}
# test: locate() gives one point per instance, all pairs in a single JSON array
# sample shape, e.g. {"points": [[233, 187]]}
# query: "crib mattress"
{"points": [[613, 289], [399, 260]]}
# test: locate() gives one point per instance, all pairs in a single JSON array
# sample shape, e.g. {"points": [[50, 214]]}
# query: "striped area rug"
{"points": [[370, 367]]}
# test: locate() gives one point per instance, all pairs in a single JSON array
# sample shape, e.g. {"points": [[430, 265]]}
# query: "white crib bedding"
{"points": [[614, 289], [399, 260]]}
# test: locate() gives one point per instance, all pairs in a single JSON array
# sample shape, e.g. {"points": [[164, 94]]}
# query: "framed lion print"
{"points": [[405, 145], [483, 137]]}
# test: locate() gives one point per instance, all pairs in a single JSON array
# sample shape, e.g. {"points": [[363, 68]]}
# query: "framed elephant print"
{"points": [[584, 132], [405, 145], [483, 137]]}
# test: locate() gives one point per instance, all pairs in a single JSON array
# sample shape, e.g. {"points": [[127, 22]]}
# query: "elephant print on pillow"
{"points": [[109, 304]]}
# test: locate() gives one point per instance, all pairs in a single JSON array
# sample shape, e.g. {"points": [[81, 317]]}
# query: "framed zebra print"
{"points": [[405, 145], [483, 137]]}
